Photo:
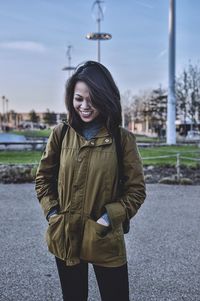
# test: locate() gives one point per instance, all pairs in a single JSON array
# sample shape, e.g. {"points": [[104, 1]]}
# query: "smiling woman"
{"points": [[79, 186]]}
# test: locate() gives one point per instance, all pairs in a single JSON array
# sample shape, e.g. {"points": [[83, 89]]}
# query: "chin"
{"points": [[87, 119]]}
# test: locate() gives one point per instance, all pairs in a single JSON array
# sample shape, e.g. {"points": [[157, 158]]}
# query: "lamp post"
{"points": [[3, 113], [98, 36], [69, 68], [6, 111], [171, 104]]}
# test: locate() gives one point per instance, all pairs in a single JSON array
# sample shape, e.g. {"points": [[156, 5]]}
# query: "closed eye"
{"points": [[78, 98]]}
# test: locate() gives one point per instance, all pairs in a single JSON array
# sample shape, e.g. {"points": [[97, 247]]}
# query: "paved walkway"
{"points": [[163, 247]]}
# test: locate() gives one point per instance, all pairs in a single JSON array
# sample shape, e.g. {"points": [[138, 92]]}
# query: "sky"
{"points": [[34, 36]]}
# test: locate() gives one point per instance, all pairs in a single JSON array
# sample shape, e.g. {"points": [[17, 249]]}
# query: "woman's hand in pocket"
{"points": [[104, 220]]}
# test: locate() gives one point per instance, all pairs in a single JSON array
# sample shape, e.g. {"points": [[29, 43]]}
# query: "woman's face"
{"points": [[82, 102]]}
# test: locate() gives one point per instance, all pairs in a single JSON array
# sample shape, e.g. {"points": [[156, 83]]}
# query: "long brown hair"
{"points": [[104, 94]]}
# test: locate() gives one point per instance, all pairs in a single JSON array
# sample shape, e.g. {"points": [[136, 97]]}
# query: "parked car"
{"points": [[193, 135]]}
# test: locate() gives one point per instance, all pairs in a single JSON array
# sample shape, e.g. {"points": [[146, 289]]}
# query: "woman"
{"points": [[77, 184]]}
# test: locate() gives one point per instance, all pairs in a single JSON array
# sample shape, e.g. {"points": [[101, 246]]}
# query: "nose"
{"points": [[85, 104]]}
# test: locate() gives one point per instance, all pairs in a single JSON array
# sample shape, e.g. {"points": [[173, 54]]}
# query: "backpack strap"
{"points": [[117, 136], [121, 178], [62, 135]]}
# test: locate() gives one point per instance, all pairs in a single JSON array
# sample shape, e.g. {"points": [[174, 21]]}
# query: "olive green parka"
{"points": [[84, 187]]}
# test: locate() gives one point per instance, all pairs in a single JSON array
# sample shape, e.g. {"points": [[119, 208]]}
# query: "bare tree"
{"points": [[127, 100], [188, 95], [149, 108]]}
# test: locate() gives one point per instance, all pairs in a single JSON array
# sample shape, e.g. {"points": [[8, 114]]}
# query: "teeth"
{"points": [[86, 113]]}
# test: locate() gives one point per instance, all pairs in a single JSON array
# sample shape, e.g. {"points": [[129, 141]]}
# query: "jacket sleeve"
{"points": [[134, 187], [46, 175]]}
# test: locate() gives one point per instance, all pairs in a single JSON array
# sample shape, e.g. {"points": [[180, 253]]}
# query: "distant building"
{"points": [[22, 120]]}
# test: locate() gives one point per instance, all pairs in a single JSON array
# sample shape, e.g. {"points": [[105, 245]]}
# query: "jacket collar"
{"points": [[102, 138]]}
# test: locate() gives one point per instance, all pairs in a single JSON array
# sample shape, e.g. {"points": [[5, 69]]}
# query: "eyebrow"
{"points": [[78, 94]]}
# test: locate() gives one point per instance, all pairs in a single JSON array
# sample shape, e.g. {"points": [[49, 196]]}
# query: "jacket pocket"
{"points": [[102, 244], [55, 236]]}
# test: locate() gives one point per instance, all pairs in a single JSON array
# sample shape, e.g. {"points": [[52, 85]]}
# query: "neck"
{"points": [[95, 122], [90, 129]]}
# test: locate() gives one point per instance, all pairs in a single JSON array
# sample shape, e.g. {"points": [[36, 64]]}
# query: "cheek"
{"points": [[75, 105], [96, 112]]}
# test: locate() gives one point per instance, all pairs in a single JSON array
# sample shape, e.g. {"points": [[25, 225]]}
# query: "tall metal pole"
{"points": [[3, 119], [98, 36], [99, 18], [69, 68], [98, 41], [7, 111], [171, 104], [69, 58]]}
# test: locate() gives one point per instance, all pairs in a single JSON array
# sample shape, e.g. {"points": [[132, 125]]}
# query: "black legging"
{"points": [[112, 282]]}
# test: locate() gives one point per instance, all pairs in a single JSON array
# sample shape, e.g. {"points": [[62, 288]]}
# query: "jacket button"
{"points": [[107, 140], [92, 143]]}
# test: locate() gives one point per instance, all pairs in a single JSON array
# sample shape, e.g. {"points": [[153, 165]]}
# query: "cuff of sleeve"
{"points": [[48, 204], [116, 213], [53, 210]]}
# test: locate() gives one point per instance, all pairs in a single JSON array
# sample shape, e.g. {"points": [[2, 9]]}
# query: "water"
{"points": [[4, 137], [9, 138]]}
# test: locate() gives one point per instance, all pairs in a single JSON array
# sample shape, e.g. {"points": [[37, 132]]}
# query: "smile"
{"points": [[86, 113]]}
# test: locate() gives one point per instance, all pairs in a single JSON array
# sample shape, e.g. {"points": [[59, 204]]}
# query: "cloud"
{"points": [[162, 53], [24, 46], [144, 4]]}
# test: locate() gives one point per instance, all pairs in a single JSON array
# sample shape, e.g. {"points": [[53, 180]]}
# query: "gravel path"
{"points": [[163, 247]]}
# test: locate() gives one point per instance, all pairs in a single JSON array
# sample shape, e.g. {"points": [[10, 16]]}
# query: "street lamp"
{"points": [[69, 68], [98, 36], [3, 112], [7, 115]]}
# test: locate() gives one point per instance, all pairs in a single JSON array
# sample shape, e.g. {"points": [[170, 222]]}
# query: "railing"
{"points": [[32, 144], [178, 156], [178, 159]]}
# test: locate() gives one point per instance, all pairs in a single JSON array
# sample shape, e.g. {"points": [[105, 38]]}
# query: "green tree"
{"points": [[33, 116], [50, 117]]}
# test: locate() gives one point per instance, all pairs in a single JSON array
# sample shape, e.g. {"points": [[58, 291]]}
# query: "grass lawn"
{"points": [[7, 157], [140, 138], [35, 133], [46, 133], [185, 151], [189, 151]]}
